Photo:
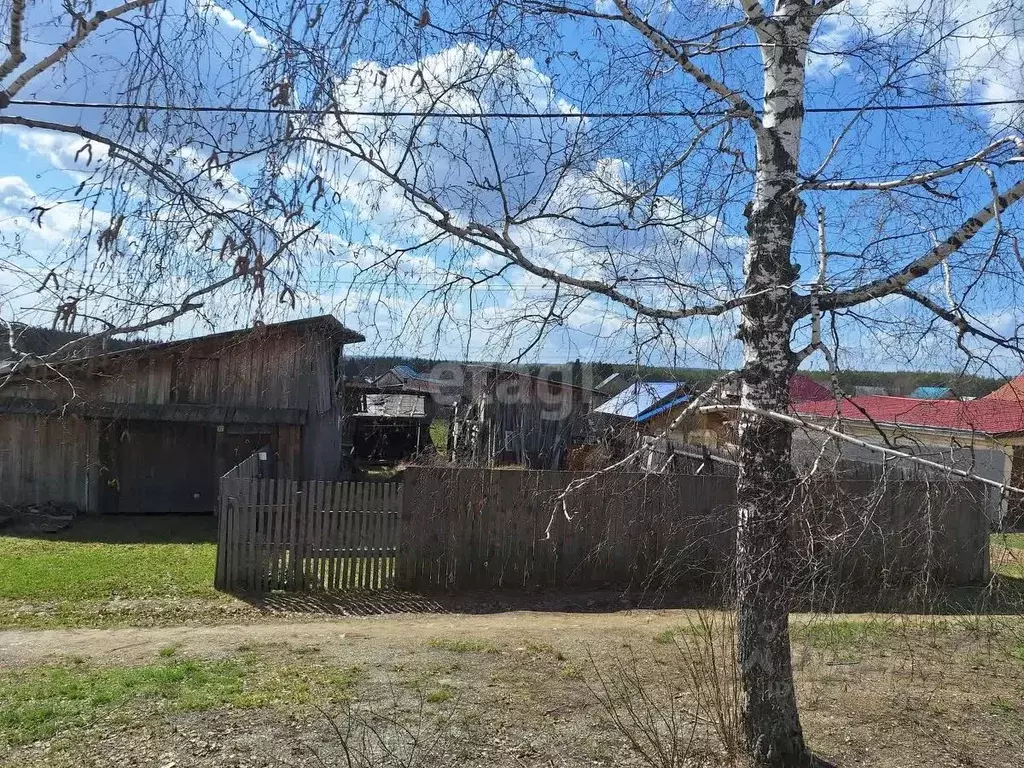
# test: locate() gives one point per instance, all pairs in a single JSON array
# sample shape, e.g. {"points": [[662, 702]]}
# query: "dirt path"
{"points": [[130, 644]]}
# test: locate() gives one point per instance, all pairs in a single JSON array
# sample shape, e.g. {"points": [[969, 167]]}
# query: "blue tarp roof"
{"points": [[932, 393], [408, 372], [661, 408], [638, 398]]}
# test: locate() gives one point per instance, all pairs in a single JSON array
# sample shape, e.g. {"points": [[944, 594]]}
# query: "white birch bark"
{"points": [[766, 479]]}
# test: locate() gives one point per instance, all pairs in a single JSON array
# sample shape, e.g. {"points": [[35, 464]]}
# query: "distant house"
{"points": [[611, 384], [636, 402], [983, 436], [150, 428], [933, 393], [719, 430], [803, 388], [653, 408], [1011, 392], [408, 379]]}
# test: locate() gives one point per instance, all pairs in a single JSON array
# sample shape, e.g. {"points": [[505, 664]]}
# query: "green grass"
{"points": [[462, 646], [439, 434], [441, 695], [665, 637], [1011, 540], [847, 634], [95, 560], [40, 702]]}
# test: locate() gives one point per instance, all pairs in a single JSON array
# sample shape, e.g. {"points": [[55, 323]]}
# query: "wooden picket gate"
{"points": [[306, 536]]}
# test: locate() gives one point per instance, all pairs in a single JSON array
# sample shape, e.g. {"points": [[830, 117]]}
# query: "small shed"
{"points": [[389, 427]]}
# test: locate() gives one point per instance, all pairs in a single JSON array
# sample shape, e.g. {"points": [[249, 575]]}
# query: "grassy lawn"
{"points": [[104, 567], [40, 702], [59, 569], [110, 571], [508, 691]]}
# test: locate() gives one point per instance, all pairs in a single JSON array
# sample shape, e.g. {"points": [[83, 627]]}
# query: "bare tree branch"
{"points": [[924, 177], [661, 42], [83, 28], [15, 55], [897, 281], [796, 421]]}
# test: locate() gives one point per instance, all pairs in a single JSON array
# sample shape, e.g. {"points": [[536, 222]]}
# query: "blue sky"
{"points": [[402, 317]]}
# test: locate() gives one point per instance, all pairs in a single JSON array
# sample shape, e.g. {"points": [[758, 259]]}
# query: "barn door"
{"points": [[164, 467]]}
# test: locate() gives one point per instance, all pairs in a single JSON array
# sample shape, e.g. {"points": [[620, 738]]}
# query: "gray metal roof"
{"points": [[397, 405]]}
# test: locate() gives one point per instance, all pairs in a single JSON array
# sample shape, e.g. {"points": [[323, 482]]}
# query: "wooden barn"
{"points": [[151, 428], [511, 417]]}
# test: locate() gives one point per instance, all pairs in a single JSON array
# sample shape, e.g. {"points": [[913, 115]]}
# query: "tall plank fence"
{"points": [[306, 536], [481, 529], [467, 529]]}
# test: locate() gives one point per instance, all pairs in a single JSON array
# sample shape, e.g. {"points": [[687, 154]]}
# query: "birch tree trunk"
{"points": [[766, 479]]}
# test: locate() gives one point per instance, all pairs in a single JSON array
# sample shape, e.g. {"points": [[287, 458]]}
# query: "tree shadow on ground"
{"points": [[1001, 595]]}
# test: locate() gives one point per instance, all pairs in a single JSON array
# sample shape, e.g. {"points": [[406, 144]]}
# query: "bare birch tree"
{"points": [[648, 163], [638, 207], [150, 215]]}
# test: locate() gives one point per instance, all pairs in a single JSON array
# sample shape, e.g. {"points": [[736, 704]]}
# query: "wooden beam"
{"points": [[208, 414]]}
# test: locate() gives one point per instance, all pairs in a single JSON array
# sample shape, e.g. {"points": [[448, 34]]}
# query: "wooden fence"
{"points": [[258, 465], [464, 529], [480, 529], [306, 536]]}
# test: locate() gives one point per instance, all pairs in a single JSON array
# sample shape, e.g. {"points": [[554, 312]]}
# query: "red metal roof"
{"points": [[802, 388], [991, 416], [1012, 391]]}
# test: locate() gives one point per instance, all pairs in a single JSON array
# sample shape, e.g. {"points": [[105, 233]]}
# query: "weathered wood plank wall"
{"points": [[48, 458], [468, 529]]}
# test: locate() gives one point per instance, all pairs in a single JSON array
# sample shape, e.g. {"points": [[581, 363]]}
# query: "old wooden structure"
{"points": [[469, 529], [485, 529], [306, 536], [510, 417], [151, 428]]}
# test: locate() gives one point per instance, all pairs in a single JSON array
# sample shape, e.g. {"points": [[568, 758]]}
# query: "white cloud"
{"points": [[59, 223], [61, 150], [975, 48], [226, 17]]}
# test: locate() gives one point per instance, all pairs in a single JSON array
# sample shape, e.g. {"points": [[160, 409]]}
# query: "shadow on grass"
{"points": [[131, 529]]}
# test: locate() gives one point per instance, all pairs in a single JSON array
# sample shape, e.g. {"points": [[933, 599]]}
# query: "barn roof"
{"points": [[994, 417], [326, 323], [329, 324]]}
